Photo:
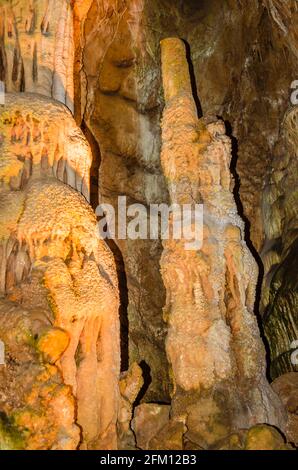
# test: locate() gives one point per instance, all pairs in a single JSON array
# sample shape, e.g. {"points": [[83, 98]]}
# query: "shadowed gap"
{"points": [[121, 274], [193, 79], [247, 224]]}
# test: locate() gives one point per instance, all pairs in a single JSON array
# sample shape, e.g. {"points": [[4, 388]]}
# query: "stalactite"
{"points": [[39, 45], [44, 142]]}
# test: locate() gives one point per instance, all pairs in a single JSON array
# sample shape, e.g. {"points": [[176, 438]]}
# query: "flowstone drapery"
{"points": [[37, 48], [54, 265]]}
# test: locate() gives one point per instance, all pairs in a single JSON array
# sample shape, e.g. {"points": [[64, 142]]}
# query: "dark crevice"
{"points": [[247, 238], [123, 312], [34, 64], [119, 261], [193, 80], [147, 381], [94, 170]]}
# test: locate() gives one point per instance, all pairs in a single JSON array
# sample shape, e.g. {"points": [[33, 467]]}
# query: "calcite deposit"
{"points": [[120, 105], [52, 258], [37, 48], [141, 343], [213, 343], [286, 386], [40, 137]]}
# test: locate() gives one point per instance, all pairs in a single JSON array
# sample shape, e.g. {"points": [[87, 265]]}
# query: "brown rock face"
{"points": [[213, 342], [51, 256], [286, 386], [192, 361], [280, 250], [120, 106], [260, 437]]}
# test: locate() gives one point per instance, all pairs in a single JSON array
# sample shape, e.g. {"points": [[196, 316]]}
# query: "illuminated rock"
{"points": [[213, 343], [286, 386], [51, 256], [39, 137], [37, 408], [38, 48], [131, 383]]}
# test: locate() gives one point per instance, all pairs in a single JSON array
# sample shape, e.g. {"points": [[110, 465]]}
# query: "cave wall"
{"points": [[279, 293], [122, 111], [242, 57]]}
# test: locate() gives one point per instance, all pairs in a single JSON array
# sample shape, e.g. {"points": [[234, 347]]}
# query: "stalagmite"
{"points": [[213, 343]]}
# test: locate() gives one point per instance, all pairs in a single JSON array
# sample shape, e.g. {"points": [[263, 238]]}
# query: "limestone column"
{"points": [[213, 343]]}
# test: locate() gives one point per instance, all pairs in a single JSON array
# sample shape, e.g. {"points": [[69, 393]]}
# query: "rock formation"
{"points": [[213, 343], [279, 253], [120, 102], [286, 386], [37, 408], [53, 261], [40, 137], [120, 107], [37, 49], [192, 362]]}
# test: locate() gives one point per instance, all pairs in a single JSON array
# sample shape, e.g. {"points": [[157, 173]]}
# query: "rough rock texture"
{"points": [[119, 107], [38, 136], [280, 250], [101, 59], [244, 60], [37, 408], [243, 55], [286, 386], [149, 419], [131, 383], [261, 437], [51, 256], [37, 49], [234, 50], [213, 342], [154, 431]]}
